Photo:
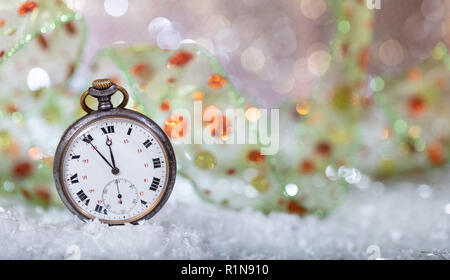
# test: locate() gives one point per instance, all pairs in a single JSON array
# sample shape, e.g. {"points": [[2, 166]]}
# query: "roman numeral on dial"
{"points": [[147, 143], [155, 184], [144, 202], [108, 129], [87, 138], [156, 163], [74, 178], [75, 156], [99, 208], [81, 195]]}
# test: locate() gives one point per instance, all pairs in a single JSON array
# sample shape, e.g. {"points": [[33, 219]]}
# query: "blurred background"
{"points": [[267, 48], [362, 90]]}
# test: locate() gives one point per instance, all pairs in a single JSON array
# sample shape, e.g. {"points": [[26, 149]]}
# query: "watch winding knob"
{"points": [[102, 84]]}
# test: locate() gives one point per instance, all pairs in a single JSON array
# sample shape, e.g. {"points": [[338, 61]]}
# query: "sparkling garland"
{"points": [[26, 150]]}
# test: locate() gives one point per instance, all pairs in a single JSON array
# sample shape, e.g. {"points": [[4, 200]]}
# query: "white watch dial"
{"points": [[115, 169]]}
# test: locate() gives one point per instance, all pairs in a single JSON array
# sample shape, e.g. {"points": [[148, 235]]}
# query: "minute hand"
{"points": [[95, 148]]}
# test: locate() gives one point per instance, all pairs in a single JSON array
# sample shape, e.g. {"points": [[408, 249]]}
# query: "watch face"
{"points": [[114, 169]]}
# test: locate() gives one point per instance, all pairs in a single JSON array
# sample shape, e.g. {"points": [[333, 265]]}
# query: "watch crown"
{"points": [[102, 84]]}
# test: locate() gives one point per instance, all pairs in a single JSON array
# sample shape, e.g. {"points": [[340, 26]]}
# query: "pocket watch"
{"points": [[114, 164]]}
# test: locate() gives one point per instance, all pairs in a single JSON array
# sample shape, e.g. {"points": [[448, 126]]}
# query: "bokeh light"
{"points": [[116, 8], [313, 9], [38, 78], [252, 59], [391, 52], [319, 62], [291, 189], [252, 114], [168, 38]]}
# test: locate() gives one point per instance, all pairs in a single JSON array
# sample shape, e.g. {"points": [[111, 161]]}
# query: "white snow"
{"points": [[392, 221]]}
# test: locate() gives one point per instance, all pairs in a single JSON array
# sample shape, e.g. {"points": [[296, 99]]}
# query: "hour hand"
{"points": [[114, 170]]}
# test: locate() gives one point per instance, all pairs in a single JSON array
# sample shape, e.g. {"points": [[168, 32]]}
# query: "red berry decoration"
{"points": [[179, 59], [22, 169], [27, 7], [417, 105]]}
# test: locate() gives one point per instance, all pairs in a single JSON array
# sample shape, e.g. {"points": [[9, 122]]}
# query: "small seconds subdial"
{"points": [[120, 196]]}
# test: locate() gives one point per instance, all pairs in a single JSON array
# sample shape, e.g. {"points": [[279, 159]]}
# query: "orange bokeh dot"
{"points": [[139, 69], [198, 95], [307, 166], [179, 59], [363, 58], [231, 171], [210, 113], [323, 148], [435, 153], [220, 128], [216, 81], [23, 169], [70, 28], [35, 153], [295, 208], [217, 123], [26, 194], [165, 106], [345, 48], [43, 193], [415, 74], [175, 126], [27, 7], [416, 105], [42, 41], [255, 156], [207, 192]]}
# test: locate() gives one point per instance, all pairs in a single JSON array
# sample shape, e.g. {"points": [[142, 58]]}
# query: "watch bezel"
{"points": [[85, 121]]}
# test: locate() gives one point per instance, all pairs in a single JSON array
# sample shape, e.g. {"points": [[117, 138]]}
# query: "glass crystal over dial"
{"points": [[114, 169]]}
